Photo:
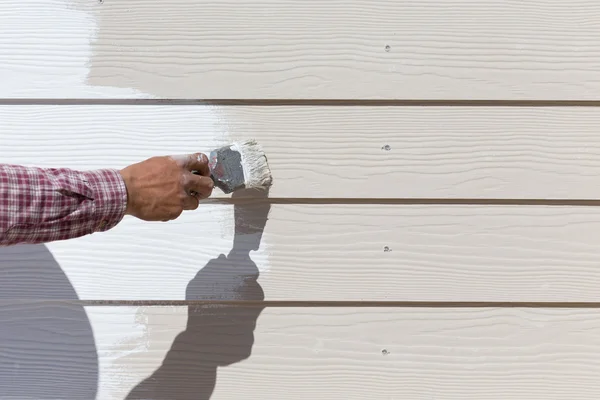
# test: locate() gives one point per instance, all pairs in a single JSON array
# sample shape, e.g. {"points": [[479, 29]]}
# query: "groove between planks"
{"points": [[314, 304], [412, 201], [305, 102]]}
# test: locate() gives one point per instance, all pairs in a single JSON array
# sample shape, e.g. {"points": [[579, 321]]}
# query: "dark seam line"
{"points": [[315, 304], [308, 102], [408, 201]]}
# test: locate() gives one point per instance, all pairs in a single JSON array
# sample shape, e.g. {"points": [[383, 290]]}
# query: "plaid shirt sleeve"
{"points": [[43, 205]]}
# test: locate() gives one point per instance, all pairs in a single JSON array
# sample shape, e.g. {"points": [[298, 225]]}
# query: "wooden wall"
{"points": [[433, 231]]}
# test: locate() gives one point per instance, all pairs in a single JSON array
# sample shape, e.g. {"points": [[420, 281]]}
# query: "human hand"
{"points": [[161, 188]]}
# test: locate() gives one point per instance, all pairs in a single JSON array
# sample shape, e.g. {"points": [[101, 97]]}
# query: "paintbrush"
{"points": [[241, 165]]}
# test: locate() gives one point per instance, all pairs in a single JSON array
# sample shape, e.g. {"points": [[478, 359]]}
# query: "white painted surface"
{"points": [[459, 49], [45, 51], [140, 257], [124, 333]]}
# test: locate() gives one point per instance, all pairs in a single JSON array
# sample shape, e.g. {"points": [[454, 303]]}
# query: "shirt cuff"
{"points": [[109, 196]]}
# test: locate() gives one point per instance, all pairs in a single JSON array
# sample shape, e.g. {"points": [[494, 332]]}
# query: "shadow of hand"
{"points": [[216, 335]]}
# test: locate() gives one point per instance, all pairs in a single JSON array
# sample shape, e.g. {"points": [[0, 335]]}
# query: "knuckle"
{"points": [[202, 158]]}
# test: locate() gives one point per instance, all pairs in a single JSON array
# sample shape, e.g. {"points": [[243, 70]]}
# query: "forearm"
{"points": [[43, 205]]}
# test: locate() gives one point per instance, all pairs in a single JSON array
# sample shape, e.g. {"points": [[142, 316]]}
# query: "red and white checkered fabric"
{"points": [[42, 205]]}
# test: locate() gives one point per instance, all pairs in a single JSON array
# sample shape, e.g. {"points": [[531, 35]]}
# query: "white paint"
{"points": [[137, 260], [125, 334], [135, 254], [122, 328], [38, 27], [199, 235]]}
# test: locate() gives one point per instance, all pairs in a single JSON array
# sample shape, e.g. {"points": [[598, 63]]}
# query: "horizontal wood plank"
{"points": [[300, 353], [336, 152], [323, 253], [304, 49]]}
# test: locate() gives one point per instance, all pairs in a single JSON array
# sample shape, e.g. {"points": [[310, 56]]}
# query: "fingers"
{"points": [[197, 187], [201, 185], [190, 202], [198, 162]]}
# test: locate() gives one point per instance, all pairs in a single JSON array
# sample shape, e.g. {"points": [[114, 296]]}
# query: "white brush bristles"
{"points": [[257, 174]]}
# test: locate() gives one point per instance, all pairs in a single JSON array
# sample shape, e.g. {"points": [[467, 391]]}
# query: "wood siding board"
{"points": [[332, 353], [273, 49], [336, 152], [331, 253]]}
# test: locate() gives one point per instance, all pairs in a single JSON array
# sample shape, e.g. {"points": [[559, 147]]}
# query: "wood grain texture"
{"points": [[333, 353], [336, 152], [331, 253], [307, 49]]}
